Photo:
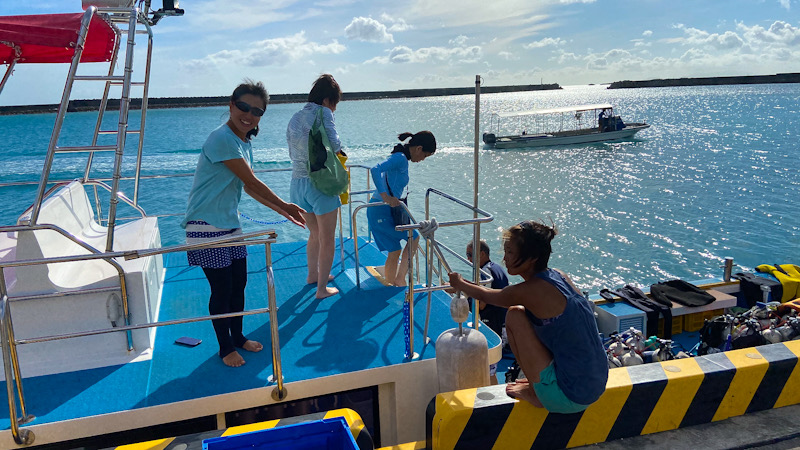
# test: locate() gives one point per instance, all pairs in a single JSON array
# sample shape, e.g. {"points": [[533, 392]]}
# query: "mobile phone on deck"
{"points": [[188, 341]]}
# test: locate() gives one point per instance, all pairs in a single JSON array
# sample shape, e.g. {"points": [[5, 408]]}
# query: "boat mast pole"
{"points": [[476, 234]]}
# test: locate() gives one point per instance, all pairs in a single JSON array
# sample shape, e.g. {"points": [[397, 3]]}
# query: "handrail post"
{"points": [[476, 233], [279, 393], [11, 370], [410, 299], [354, 230]]}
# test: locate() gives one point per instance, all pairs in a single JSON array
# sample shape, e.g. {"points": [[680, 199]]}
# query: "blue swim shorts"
{"points": [[551, 395], [306, 196], [381, 223]]}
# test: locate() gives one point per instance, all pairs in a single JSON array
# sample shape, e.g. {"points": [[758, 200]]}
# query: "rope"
{"points": [[261, 221]]}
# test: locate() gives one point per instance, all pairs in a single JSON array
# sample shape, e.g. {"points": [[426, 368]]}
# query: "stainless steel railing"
{"points": [[433, 248], [11, 365]]}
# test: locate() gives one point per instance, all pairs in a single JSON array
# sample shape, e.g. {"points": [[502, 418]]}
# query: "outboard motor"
{"points": [[489, 138]]}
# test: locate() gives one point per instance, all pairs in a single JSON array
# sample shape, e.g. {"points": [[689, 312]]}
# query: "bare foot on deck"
{"points": [[309, 280], [326, 292], [252, 346], [233, 359], [523, 390]]}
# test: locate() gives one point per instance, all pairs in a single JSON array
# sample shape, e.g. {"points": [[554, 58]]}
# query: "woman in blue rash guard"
{"points": [[391, 179]]}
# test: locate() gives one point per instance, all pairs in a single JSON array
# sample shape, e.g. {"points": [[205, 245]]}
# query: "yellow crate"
{"points": [[677, 327], [693, 322]]}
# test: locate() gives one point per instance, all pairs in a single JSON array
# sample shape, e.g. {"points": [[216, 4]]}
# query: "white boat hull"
{"points": [[581, 137]]}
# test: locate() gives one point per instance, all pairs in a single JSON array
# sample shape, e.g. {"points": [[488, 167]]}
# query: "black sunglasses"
{"points": [[244, 107], [469, 254]]}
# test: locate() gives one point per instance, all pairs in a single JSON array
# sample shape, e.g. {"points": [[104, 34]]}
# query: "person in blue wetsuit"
{"points": [[391, 179], [551, 327], [223, 171], [493, 316]]}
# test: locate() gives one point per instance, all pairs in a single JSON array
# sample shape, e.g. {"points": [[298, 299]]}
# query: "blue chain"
{"points": [[406, 328], [261, 221]]}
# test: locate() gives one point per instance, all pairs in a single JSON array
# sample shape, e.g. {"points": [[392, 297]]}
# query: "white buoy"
{"points": [[462, 354]]}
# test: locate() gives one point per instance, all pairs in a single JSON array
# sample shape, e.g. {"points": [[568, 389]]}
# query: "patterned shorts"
{"points": [[198, 231]]}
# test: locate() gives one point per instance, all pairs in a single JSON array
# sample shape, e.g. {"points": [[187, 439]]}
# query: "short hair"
{"points": [[325, 87], [532, 240], [251, 87], [482, 244]]}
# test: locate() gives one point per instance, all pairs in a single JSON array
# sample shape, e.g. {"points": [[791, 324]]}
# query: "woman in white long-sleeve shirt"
{"points": [[321, 209]]}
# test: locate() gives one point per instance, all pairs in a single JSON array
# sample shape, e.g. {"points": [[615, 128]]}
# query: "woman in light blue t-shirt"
{"points": [[223, 171]]}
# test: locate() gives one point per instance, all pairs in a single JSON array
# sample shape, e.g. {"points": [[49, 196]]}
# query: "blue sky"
{"points": [[386, 45]]}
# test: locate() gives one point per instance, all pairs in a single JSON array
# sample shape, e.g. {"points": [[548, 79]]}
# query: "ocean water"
{"points": [[716, 175]]}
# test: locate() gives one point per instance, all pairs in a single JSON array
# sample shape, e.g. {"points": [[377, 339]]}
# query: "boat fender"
{"points": [[114, 308], [462, 359], [462, 354], [459, 308]]}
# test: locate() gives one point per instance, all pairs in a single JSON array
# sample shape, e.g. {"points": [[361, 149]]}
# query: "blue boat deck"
{"points": [[356, 330]]}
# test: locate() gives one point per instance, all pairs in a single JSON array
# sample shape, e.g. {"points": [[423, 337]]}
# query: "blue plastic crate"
{"points": [[330, 434]]}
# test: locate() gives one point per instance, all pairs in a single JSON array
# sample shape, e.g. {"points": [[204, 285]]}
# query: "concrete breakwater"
{"points": [[709, 81], [185, 102]]}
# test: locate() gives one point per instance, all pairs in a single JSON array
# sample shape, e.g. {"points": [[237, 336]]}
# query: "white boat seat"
{"points": [[69, 208]]}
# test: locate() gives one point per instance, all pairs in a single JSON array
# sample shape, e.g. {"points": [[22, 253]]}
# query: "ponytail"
{"points": [[425, 139]]}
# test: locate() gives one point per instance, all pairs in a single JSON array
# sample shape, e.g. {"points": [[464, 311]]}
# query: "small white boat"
{"points": [[559, 126]]}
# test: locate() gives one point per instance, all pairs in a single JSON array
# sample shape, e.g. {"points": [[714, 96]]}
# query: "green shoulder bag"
{"points": [[324, 169]]}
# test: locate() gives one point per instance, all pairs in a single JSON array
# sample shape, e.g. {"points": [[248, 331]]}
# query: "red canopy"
{"points": [[51, 38]]}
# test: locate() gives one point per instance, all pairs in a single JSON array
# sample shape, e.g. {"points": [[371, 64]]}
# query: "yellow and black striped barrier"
{"points": [[195, 441], [638, 400]]}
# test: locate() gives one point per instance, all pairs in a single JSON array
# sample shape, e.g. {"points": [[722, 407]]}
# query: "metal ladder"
{"points": [[119, 18]]}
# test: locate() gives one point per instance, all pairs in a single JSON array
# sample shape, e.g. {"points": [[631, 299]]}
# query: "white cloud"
{"points": [[397, 24], [647, 33], [406, 55], [447, 13], [779, 32], [697, 37], [508, 56], [784, 4], [460, 40], [367, 29], [269, 52], [546, 42], [211, 16]]}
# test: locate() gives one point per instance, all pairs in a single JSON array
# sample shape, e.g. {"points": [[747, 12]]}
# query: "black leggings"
{"points": [[227, 296]]}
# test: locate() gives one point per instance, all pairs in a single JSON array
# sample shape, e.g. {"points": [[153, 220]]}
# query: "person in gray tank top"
{"points": [[551, 327]]}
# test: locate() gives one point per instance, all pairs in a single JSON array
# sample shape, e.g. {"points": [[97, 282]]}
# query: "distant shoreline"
{"points": [[188, 102], [709, 81]]}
